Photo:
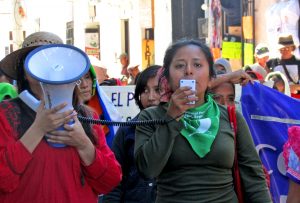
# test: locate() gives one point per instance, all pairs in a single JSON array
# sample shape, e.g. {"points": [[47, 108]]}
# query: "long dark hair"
{"points": [[22, 82], [173, 48], [85, 111]]}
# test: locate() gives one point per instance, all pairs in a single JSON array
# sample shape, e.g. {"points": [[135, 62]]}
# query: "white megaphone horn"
{"points": [[58, 67]]}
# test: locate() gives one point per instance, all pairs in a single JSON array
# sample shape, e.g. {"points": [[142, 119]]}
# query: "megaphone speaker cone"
{"points": [[57, 64], [57, 67]]}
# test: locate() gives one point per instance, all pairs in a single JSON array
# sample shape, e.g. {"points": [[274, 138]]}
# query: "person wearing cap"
{"points": [[133, 70], [287, 64], [30, 169], [222, 66], [100, 69], [261, 57]]}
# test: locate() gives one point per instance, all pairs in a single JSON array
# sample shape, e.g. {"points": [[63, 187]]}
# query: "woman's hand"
{"points": [[236, 77], [75, 136], [239, 77], [179, 102], [47, 120]]}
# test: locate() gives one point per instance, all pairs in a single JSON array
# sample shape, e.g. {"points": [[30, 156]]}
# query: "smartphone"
{"points": [[189, 83]]}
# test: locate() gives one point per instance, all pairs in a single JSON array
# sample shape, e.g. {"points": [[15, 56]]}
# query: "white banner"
{"points": [[123, 99]]}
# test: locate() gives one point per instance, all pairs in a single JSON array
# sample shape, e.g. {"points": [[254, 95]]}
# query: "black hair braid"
{"points": [[84, 111]]}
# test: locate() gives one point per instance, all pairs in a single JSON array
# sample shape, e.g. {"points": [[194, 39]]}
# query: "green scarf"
{"points": [[201, 125], [7, 90]]}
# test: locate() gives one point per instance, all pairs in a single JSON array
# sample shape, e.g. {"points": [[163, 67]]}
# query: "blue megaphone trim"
{"points": [[44, 47]]}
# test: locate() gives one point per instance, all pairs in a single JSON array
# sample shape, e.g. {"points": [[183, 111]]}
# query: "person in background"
{"points": [[90, 94], [287, 64], [30, 169], [85, 89], [7, 91], [224, 94], [222, 65], [254, 75], [291, 155], [280, 82], [134, 188], [124, 60], [186, 170], [112, 82], [261, 57], [133, 70], [100, 69]]}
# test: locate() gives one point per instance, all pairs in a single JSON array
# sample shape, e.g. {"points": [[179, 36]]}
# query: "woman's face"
{"points": [[35, 86], [224, 94], [84, 89], [151, 96], [190, 62]]}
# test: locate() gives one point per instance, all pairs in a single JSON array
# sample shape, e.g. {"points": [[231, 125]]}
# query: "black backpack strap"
{"points": [[287, 72], [273, 64]]}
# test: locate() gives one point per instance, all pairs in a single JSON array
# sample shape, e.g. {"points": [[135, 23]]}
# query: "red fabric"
{"points": [[296, 96], [53, 174], [258, 76], [236, 173], [166, 91]]}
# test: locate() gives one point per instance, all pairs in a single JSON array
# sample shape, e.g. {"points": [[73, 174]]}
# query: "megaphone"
{"points": [[58, 67]]}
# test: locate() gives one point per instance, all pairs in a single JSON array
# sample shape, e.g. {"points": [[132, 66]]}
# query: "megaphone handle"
{"points": [[29, 100]]}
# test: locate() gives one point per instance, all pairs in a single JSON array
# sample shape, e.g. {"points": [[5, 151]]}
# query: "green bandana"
{"points": [[201, 125], [7, 90]]}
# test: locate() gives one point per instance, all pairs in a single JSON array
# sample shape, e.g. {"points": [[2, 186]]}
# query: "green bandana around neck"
{"points": [[201, 125]]}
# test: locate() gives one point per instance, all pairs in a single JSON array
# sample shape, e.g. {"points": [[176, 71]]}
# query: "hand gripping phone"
{"points": [[189, 83]]}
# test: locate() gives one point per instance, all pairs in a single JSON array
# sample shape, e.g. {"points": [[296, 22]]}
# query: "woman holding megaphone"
{"points": [[31, 170]]}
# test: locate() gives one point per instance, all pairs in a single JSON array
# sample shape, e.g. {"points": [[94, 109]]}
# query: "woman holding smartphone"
{"points": [[192, 155]]}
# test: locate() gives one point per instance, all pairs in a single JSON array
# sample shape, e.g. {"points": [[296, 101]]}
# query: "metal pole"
{"points": [[242, 31]]}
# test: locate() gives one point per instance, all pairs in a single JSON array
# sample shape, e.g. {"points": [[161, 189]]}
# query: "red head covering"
{"points": [[165, 89]]}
